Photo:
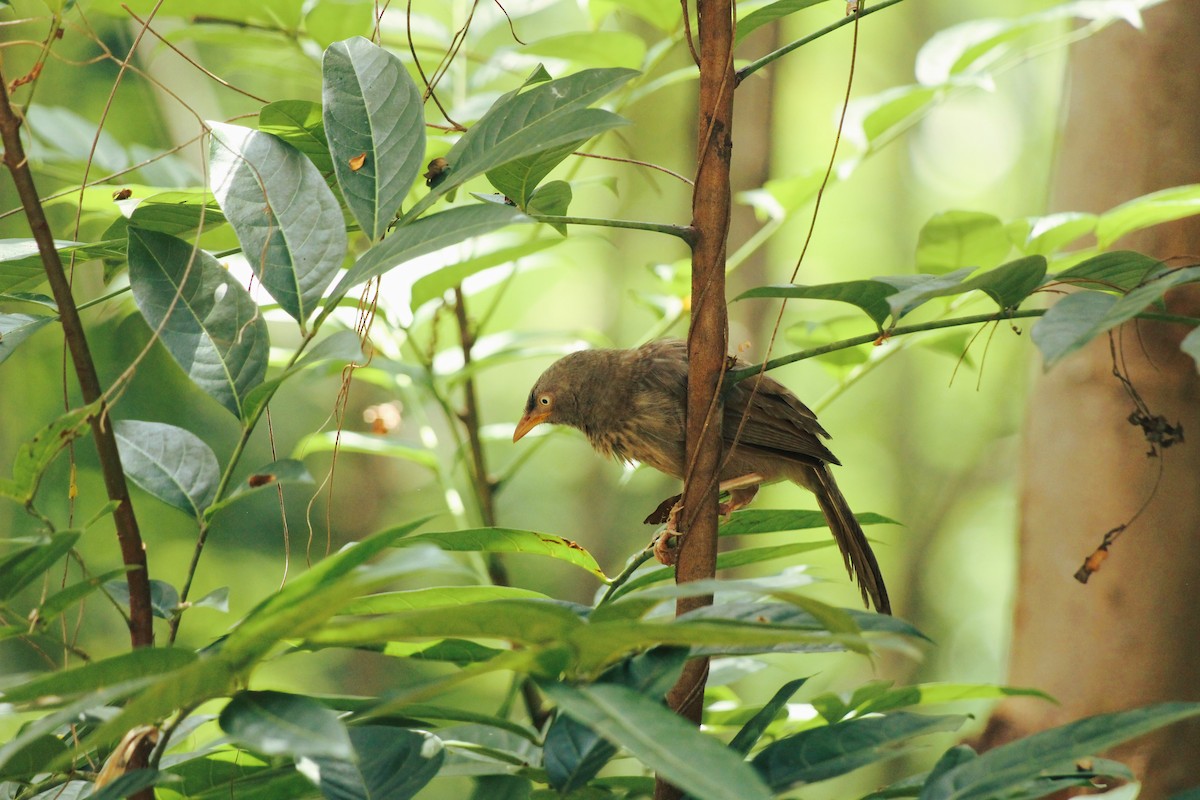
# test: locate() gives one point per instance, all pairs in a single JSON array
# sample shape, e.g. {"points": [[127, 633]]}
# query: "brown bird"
{"points": [[631, 404]]}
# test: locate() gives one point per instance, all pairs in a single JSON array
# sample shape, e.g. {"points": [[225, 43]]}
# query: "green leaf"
{"points": [[436, 596], [915, 290], [1073, 321], [25, 565], [664, 742], [35, 455], [870, 296], [60, 601], [553, 199], [171, 463], [425, 236], [1051, 233], [286, 470], [933, 693], [180, 213], [524, 123], [821, 753], [753, 730], [768, 14], [55, 688], [518, 179], [509, 540], [1010, 764], [773, 520], [369, 444], [300, 124], [1121, 270], [286, 218], [373, 112], [437, 283], [389, 762], [1146, 211], [16, 328], [32, 758], [21, 264], [275, 723], [956, 239], [208, 322], [1009, 284], [164, 598]]}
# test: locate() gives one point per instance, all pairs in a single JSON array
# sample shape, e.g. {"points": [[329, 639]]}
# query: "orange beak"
{"points": [[530, 421]]}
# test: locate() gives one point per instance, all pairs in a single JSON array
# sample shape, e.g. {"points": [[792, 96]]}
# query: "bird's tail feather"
{"points": [[856, 550]]}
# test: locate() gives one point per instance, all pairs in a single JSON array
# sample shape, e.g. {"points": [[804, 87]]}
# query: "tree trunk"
{"points": [[1130, 636]]}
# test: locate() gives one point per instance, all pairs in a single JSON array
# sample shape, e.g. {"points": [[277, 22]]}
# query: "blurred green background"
{"points": [[928, 430]]}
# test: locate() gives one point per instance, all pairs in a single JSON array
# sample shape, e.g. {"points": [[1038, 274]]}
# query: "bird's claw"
{"points": [[666, 548]]}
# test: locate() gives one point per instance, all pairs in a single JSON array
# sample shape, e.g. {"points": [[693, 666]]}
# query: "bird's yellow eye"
{"points": [[544, 399]]}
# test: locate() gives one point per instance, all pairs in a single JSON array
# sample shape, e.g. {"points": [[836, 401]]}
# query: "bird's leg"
{"points": [[741, 491]]}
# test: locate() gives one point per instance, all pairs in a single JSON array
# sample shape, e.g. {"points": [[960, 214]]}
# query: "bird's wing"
{"points": [[776, 421]]}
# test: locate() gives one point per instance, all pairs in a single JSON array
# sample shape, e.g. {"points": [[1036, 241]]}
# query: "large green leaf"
{"points": [[1078, 318], [664, 742], [173, 464], [389, 762], [180, 213], [1120, 270], [1009, 765], [523, 123], [276, 723], [16, 328], [426, 236], [208, 322], [437, 283], [818, 754], [376, 129], [286, 218], [518, 179]]}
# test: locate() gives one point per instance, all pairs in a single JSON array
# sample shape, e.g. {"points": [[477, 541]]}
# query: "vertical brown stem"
{"points": [[708, 333], [485, 490], [133, 553]]}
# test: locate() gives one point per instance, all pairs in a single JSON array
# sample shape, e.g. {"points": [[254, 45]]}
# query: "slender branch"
{"points": [[708, 337], [682, 231], [755, 66], [133, 553]]}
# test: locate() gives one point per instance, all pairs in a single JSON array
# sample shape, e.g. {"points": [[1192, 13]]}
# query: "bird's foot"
{"points": [[666, 546]]}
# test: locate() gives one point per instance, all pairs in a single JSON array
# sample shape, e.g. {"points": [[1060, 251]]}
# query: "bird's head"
{"points": [[567, 392]]}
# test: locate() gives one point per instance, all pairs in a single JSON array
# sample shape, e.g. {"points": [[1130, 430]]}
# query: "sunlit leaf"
{"points": [[509, 540], [869, 295], [1120, 270], [35, 455], [24, 565], [437, 283], [372, 111], [522, 123], [300, 124], [286, 218], [1146, 211], [56, 687], [207, 321], [391, 602]]}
